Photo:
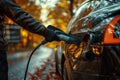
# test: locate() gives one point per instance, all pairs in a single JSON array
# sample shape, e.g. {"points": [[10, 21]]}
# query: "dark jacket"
{"points": [[10, 9]]}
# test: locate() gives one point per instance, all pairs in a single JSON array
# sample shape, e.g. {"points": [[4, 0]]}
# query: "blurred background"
{"points": [[47, 12]]}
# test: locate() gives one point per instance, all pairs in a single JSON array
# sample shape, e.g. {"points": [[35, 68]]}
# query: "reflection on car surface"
{"points": [[97, 57]]}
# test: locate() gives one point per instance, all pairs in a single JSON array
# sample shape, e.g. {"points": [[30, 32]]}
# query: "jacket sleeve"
{"points": [[21, 17]]}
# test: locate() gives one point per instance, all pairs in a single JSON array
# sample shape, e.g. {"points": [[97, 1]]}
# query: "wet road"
{"points": [[18, 61]]}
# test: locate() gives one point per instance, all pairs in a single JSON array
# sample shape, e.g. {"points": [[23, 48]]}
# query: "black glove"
{"points": [[57, 34], [50, 36]]}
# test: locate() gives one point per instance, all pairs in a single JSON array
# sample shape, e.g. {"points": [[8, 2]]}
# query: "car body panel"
{"points": [[96, 58]]}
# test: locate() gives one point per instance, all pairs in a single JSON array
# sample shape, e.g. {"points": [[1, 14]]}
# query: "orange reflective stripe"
{"points": [[109, 32]]}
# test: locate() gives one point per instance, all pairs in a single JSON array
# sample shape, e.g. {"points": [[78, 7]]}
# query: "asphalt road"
{"points": [[18, 61]]}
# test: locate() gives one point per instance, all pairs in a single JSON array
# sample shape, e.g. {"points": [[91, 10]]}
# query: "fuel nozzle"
{"points": [[68, 38]]}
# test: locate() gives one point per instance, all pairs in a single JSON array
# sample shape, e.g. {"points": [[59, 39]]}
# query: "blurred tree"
{"points": [[60, 15], [63, 12]]}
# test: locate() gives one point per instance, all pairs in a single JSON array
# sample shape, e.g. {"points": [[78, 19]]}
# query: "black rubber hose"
{"points": [[43, 42]]}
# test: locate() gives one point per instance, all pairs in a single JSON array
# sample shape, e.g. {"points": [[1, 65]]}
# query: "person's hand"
{"points": [[57, 34], [50, 36]]}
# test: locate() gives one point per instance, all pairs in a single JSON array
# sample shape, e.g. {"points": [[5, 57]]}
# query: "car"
{"points": [[97, 56]]}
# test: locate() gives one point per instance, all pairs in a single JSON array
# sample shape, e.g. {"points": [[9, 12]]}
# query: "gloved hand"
{"points": [[51, 36], [57, 34]]}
